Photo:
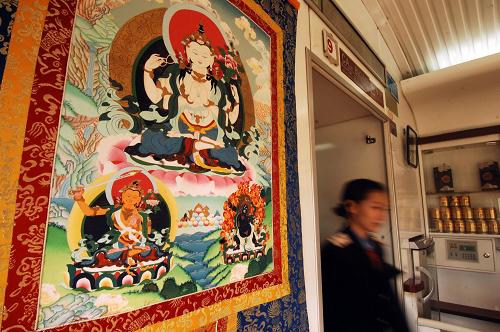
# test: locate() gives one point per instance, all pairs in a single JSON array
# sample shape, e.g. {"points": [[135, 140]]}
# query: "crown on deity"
{"points": [[198, 37], [135, 186]]}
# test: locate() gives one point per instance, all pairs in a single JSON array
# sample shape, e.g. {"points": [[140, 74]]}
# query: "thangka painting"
{"points": [[153, 185]]}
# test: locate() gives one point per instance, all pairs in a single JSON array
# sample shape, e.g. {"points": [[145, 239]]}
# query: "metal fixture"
{"points": [[370, 140]]}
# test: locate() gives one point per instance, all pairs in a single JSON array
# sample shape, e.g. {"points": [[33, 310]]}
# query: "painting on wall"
{"points": [[155, 161]]}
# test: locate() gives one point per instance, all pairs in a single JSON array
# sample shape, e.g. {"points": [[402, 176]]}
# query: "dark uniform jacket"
{"points": [[357, 295]]}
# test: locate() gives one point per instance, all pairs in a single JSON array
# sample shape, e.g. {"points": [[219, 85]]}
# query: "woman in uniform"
{"points": [[357, 293]]}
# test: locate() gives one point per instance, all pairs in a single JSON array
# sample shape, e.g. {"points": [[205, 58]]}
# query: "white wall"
{"points": [[342, 155], [460, 97], [305, 143], [360, 17]]}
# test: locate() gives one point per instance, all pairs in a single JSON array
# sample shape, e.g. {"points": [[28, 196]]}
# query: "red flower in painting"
{"points": [[228, 65], [217, 71]]}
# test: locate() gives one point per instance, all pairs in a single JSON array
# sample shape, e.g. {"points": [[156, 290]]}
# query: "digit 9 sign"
{"points": [[330, 48]]}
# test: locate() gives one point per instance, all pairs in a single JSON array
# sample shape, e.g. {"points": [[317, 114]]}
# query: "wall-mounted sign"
{"points": [[360, 78], [330, 47], [392, 86]]}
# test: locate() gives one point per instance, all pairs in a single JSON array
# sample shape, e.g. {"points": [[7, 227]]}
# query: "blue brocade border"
{"points": [[288, 313], [8, 10]]}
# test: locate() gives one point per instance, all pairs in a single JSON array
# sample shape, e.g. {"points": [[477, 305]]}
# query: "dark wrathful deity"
{"points": [[243, 232]]}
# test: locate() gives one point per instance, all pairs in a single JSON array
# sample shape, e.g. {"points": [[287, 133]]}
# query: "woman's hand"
{"points": [[154, 61]]}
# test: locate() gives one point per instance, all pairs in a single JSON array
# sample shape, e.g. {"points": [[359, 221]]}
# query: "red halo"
{"points": [[127, 178], [185, 22]]}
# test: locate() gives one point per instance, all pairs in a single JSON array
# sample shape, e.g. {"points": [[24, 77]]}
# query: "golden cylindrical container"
{"points": [[459, 226], [437, 226], [470, 226], [454, 201], [435, 213], [443, 201], [456, 213], [465, 201], [490, 213], [493, 226], [478, 213], [448, 226], [481, 226], [445, 213], [467, 213]]}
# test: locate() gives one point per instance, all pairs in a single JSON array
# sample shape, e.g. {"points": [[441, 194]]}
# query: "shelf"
{"points": [[458, 193], [482, 236]]}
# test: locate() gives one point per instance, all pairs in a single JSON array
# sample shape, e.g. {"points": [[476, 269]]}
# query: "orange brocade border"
{"points": [[28, 239], [15, 97]]}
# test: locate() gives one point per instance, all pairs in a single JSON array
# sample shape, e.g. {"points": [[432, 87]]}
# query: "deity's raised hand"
{"points": [[77, 193], [155, 61]]}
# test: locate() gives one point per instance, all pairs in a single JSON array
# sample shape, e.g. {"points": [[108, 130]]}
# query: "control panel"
{"points": [[462, 250], [465, 253]]}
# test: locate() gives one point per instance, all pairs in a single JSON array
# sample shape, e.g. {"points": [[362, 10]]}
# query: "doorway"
{"points": [[349, 144]]}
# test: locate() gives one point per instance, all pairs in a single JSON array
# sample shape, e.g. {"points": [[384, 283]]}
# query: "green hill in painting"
{"points": [[177, 251], [215, 235], [182, 262], [179, 275], [178, 283]]}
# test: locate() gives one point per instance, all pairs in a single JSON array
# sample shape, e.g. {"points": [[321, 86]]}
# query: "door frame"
{"points": [[308, 184]]}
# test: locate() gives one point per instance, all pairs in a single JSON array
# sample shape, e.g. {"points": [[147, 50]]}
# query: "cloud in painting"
{"points": [[243, 24], [115, 303], [48, 294], [263, 93], [255, 66], [259, 67], [238, 272]]}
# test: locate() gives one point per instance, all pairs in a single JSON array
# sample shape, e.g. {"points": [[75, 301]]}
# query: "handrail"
{"points": [[442, 326], [423, 270]]}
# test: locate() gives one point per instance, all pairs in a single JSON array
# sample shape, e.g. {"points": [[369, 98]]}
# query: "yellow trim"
{"points": [[166, 194], [15, 99], [200, 162], [282, 160], [194, 127], [232, 323]]}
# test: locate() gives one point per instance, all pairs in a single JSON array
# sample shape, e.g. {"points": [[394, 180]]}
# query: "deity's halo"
{"points": [[125, 177], [182, 20]]}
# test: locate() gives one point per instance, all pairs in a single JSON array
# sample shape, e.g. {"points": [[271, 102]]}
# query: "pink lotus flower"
{"points": [[113, 158]]}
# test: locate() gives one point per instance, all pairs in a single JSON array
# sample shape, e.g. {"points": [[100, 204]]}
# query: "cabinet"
{"points": [[463, 158], [468, 266]]}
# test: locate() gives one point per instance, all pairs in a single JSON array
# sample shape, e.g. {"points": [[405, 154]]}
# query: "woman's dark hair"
{"points": [[357, 191]]}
